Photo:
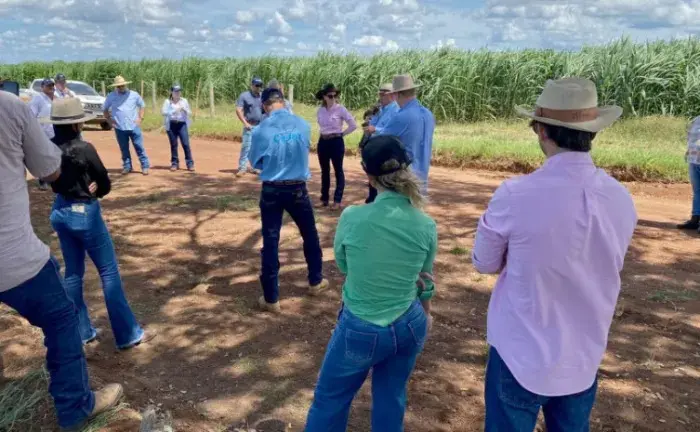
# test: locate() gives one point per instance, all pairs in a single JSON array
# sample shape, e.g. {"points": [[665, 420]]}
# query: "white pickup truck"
{"points": [[92, 101]]}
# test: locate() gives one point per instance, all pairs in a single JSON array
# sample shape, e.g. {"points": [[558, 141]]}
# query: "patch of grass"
{"points": [[154, 197], [234, 203], [666, 296], [20, 399], [634, 149], [176, 202], [460, 251]]}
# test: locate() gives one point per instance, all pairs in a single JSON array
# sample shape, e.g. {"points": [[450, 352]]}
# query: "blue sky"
{"points": [[90, 29]]}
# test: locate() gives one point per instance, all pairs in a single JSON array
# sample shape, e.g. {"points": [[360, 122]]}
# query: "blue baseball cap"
{"points": [[257, 81], [47, 81], [269, 93], [176, 88]]}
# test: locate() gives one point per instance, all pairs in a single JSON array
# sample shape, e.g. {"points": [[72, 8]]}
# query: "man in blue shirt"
{"points": [[280, 150], [124, 109], [389, 108], [249, 111], [414, 125]]}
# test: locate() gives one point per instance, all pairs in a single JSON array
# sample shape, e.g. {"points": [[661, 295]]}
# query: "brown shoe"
{"points": [[148, 335], [269, 307], [315, 290], [106, 398], [240, 173]]}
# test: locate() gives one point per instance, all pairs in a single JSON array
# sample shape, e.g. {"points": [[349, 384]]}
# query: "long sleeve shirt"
{"points": [[383, 117], [414, 125], [558, 237], [80, 166], [330, 121], [693, 156], [22, 144], [176, 111], [280, 147], [41, 107], [381, 248]]}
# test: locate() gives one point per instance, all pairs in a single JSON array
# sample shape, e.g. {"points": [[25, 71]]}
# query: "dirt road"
{"points": [[188, 246]]}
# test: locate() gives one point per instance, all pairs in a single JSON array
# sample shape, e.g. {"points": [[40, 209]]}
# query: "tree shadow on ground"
{"points": [[189, 245]]}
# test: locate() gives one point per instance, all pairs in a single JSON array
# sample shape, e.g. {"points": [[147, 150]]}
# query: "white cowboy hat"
{"points": [[67, 111], [386, 88], [572, 103], [403, 83], [119, 81]]}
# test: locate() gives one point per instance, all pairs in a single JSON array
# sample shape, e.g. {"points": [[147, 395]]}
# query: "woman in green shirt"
{"points": [[383, 248]]}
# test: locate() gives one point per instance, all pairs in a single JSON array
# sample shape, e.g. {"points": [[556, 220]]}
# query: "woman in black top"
{"points": [[77, 219]]}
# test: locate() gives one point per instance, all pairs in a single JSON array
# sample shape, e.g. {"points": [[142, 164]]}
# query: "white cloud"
{"points": [[176, 32], [302, 46], [245, 17], [235, 32], [276, 40], [299, 10], [448, 43], [278, 25], [391, 45], [46, 40], [369, 40], [63, 23], [338, 32]]}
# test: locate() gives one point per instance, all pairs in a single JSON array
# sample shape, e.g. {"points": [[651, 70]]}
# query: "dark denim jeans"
{"points": [[275, 199], [357, 346], [331, 151], [43, 301], [81, 229], [179, 130], [695, 183], [512, 408], [136, 137]]}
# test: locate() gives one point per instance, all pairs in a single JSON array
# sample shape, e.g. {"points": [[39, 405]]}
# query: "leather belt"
{"points": [[331, 136]]}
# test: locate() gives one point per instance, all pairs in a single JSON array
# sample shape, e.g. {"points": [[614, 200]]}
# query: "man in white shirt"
{"points": [[31, 282], [62, 90], [41, 107]]}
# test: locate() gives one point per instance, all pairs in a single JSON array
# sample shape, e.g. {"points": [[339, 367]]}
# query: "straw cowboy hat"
{"points": [[67, 111], [572, 103], [386, 88], [403, 83], [120, 81]]}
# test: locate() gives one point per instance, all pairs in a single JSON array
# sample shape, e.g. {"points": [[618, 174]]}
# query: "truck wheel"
{"points": [[105, 126]]}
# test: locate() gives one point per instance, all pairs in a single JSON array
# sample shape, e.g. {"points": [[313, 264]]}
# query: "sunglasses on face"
{"points": [[257, 85], [331, 96]]}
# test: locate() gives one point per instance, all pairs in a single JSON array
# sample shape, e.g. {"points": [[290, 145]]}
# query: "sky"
{"points": [[49, 30]]}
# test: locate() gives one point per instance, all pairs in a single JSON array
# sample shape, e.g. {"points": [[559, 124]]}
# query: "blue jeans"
{"points": [[246, 137], [331, 151], [356, 347], [81, 229], [179, 130], [695, 183], [274, 201], [136, 137], [512, 408], [42, 300]]}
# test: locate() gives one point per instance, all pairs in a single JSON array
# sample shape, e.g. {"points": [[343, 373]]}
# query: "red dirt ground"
{"points": [[188, 246]]}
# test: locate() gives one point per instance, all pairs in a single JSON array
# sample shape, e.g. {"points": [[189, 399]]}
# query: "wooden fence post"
{"points": [[212, 111], [153, 93], [290, 94], [196, 102], [141, 88], [104, 94]]}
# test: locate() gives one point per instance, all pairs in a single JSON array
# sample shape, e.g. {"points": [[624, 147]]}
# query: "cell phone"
{"points": [[10, 87]]}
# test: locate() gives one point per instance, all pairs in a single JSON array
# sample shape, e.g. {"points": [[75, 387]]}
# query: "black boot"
{"points": [[692, 224]]}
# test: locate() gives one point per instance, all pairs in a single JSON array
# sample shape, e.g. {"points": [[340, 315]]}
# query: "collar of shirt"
{"points": [[568, 158], [411, 104], [390, 196]]}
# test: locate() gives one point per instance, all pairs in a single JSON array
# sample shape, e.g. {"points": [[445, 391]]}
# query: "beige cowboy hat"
{"points": [[403, 83], [572, 103], [386, 88], [119, 81], [67, 111]]}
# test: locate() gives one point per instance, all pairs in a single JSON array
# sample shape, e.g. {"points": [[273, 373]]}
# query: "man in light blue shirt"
{"points": [[280, 150], [124, 109], [250, 112], [414, 125], [377, 124]]}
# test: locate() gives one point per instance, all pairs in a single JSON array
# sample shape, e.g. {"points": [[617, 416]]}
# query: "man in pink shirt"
{"points": [[558, 237]]}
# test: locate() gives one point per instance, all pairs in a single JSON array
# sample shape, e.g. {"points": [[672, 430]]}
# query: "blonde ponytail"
{"points": [[404, 182]]}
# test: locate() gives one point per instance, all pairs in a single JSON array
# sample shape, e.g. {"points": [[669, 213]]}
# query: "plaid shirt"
{"points": [[693, 156]]}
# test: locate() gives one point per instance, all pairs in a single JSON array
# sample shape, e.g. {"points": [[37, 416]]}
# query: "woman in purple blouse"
{"points": [[331, 146]]}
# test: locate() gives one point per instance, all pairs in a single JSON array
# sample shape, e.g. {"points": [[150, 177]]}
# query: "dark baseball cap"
{"points": [[383, 149], [257, 81], [47, 81], [269, 93], [60, 77]]}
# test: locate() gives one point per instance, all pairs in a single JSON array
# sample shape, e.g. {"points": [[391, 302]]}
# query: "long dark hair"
{"points": [[66, 137]]}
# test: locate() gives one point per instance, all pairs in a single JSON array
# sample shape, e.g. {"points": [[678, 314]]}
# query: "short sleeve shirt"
{"points": [[694, 142], [22, 144], [252, 107], [124, 108]]}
